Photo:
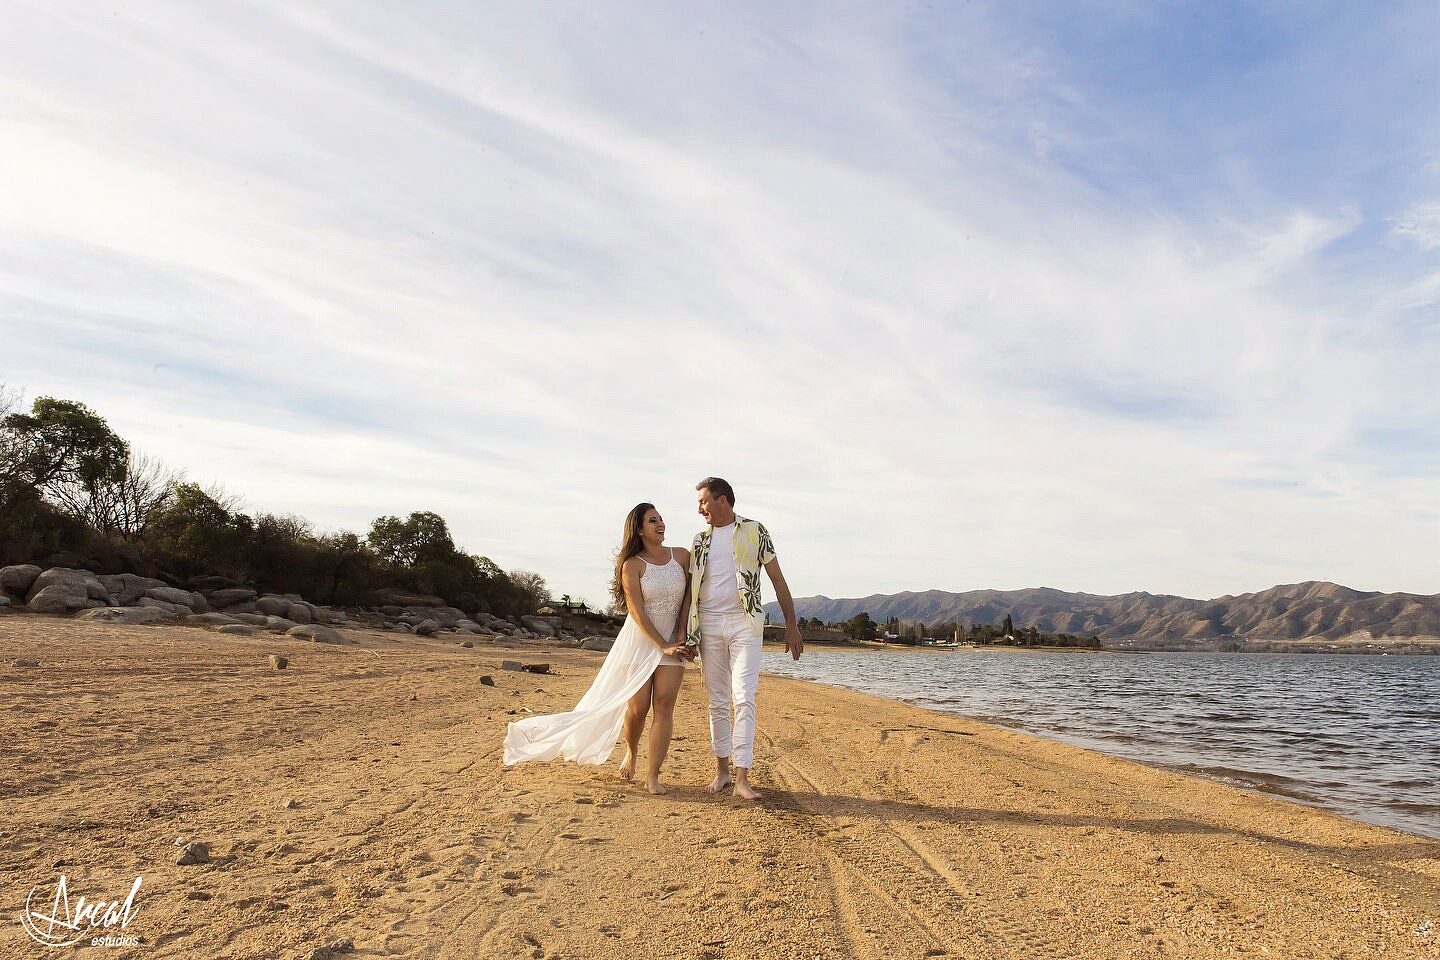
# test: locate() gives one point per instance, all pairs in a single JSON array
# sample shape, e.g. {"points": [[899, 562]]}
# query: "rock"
{"points": [[247, 606], [239, 629], [597, 643], [175, 595], [427, 628], [171, 609], [278, 662], [288, 804], [4, 600], [546, 611], [126, 588], [211, 619], [80, 583], [124, 615], [279, 624], [544, 626], [315, 632], [511, 665], [18, 579], [27, 663], [487, 680], [468, 625], [447, 616], [273, 606], [537, 668], [59, 598], [255, 619], [467, 645], [300, 613], [194, 852], [220, 599]]}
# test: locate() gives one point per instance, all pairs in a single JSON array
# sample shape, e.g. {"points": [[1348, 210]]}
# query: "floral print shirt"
{"points": [[753, 549]]}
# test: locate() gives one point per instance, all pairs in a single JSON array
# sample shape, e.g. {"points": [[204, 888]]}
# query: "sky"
{"points": [[1101, 296]]}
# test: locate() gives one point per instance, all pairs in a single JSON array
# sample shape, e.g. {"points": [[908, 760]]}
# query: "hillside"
{"points": [[1288, 612]]}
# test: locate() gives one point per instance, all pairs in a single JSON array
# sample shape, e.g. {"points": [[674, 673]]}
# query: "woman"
{"points": [[643, 669]]}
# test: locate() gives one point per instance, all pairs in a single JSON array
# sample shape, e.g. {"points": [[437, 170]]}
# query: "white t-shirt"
{"points": [[719, 592]]}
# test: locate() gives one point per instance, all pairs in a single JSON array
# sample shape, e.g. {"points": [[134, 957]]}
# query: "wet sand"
{"points": [[359, 794]]}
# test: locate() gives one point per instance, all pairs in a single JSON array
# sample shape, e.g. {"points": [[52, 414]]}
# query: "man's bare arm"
{"points": [[794, 644]]}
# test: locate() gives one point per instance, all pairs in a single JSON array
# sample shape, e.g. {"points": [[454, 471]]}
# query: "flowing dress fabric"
{"points": [[588, 733]]}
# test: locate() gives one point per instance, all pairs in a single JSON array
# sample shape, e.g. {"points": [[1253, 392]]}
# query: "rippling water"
{"points": [[1359, 735]]}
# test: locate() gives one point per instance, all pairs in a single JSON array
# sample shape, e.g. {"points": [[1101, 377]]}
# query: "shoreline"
{"points": [[359, 794]]}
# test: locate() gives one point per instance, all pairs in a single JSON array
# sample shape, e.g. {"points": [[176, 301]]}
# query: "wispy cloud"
{"points": [[999, 296]]}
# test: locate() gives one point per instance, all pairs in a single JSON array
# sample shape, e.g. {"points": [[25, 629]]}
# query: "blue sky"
{"points": [[1099, 296]]}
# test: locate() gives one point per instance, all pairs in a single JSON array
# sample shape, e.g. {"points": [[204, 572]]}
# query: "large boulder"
{"points": [[597, 643], [279, 624], [18, 580], [60, 590], [124, 615], [220, 599], [273, 606], [183, 598], [544, 626], [427, 628], [170, 609], [300, 613], [82, 580], [126, 588], [316, 632]]}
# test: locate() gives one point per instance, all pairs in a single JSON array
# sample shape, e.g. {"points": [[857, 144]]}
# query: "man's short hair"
{"points": [[718, 488]]}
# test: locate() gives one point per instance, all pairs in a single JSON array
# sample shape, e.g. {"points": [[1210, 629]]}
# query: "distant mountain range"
{"points": [[1315, 610]]}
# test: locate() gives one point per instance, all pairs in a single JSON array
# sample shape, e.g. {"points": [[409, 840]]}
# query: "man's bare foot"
{"points": [[653, 785], [721, 782], [746, 792], [627, 766]]}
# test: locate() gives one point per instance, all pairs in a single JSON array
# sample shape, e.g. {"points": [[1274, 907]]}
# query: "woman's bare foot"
{"points": [[746, 792], [627, 766], [653, 785], [721, 782]]}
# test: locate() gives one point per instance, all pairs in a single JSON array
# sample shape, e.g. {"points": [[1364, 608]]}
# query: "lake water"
{"points": [[1359, 735]]}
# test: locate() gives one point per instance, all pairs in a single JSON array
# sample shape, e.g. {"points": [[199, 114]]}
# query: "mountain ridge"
{"points": [[1312, 609]]}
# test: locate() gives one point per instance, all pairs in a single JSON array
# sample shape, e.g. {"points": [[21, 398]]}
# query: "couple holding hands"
{"points": [[717, 584]]}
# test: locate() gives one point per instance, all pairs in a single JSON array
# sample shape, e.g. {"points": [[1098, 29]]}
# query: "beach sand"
{"points": [[359, 794]]}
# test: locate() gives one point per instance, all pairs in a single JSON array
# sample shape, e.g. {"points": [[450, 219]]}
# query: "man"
{"points": [[727, 621]]}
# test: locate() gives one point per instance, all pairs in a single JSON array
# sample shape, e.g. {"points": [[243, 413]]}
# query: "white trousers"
{"points": [[730, 657]]}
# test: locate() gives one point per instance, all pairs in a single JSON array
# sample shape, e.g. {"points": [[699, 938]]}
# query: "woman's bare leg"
{"points": [[666, 688], [635, 713]]}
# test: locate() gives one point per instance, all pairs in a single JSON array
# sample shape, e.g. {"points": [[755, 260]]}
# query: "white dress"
{"points": [[588, 733]]}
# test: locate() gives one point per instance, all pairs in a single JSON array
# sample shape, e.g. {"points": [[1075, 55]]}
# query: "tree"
{"points": [[199, 532], [61, 448], [420, 537], [123, 507], [1007, 629], [860, 627], [532, 588]]}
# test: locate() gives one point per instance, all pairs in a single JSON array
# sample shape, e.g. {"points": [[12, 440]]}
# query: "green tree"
{"points": [[61, 448], [419, 538], [860, 627]]}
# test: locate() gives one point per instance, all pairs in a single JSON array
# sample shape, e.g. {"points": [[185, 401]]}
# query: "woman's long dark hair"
{"points": [[631, 543]]}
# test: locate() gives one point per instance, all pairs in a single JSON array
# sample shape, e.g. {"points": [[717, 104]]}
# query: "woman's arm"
{"points": [[635, 603], [682, 622]]}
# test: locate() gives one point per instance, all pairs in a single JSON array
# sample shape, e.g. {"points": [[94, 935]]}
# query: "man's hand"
{"points": [[793, 644]]}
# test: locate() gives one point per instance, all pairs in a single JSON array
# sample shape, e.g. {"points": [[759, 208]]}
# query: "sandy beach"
{"points": [[359, 796]]}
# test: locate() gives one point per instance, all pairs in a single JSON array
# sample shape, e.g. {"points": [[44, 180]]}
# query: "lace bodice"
{"points": [[664, 588]]}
